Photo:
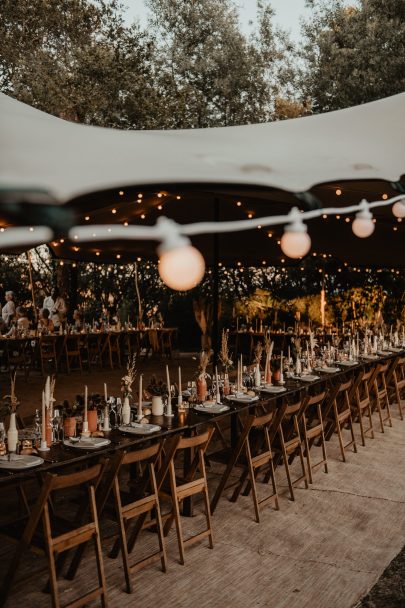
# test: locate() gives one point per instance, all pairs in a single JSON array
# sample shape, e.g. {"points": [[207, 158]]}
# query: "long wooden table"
{"points": [[188, 423]]}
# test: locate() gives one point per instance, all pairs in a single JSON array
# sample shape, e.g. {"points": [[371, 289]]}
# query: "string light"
{"points": [[295, 241], [239, 204], [384, 197], [87, 218], [113, 211], [121, 193], [363, 225], [338, 192], [399, 209]]}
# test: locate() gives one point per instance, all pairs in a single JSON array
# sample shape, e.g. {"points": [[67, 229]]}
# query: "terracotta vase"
{"points": [[277, 375], [201, 389], [69, 426], [227, 388], [268, 375], [92, 420], [48, 429]]}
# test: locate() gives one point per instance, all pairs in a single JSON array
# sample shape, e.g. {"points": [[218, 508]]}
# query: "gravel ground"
{"points": [[389, 591]]}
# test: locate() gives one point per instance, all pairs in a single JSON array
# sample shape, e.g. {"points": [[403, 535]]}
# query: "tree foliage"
{"points": [[354, 54], [77, 60], [191, 67]]}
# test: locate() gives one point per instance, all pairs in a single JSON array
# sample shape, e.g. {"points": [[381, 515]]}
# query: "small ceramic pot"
{"points": [[157, 405]]}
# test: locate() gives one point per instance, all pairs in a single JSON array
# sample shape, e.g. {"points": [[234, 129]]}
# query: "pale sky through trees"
{"points": [[288, 13]]}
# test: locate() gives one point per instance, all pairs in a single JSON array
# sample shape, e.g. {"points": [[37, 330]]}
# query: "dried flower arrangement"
{"points": [[224, 353], [205, 357], [258, 351], [10, 402], [129, 378]]}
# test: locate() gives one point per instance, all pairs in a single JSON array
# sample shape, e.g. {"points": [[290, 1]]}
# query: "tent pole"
{"points": [[215, 332], [32, 287]]}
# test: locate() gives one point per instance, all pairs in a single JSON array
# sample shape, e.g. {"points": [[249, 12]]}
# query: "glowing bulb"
{"points": [[87, 218], [181, 268], [121, 193], [338, 192], [399, 209], [363, 225], [295, 241], [384, 197], [113, 211], [239, 204]]}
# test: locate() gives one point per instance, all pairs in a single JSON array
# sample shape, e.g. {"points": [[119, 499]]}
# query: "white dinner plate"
{"points": [[348, 363], [272, 389], [19, 462], [136, 428], [87, 443], [215, 408], [327, 370], [306, 378], [244, 399]]}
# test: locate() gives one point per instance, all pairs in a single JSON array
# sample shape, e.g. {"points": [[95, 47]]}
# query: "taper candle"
{"points": [[105, 392], [85, 402]]}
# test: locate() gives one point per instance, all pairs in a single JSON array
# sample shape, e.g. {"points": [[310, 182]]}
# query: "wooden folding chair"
{"points": [[111, 349], [241, 456], [313, 429], [47, 354], [146, 502], [80, 531], [189, 486], [361, 403], [72, 352], [291, 443], [380, 393], [93, 348], [132, 345], [258, 458], [343, 415], [396, 381], [166, 342]]}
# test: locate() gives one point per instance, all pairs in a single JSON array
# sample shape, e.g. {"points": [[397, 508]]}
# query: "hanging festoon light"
{"points": [[363, 225], [295, 241], [181, 265], [398, 209]]}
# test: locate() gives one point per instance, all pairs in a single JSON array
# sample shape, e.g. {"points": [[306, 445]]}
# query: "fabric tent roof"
{"points": [[359, 150], [70, 160]]}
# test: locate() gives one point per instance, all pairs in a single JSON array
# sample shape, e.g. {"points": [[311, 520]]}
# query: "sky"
{"points": [[288, 13]]}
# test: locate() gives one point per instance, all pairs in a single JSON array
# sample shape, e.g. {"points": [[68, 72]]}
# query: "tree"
{"points": [[209, 73], [76, 59], [354, 54]]}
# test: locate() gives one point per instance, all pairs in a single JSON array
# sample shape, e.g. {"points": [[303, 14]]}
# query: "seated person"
{"points": [[23, 323], [77, 319], [45, 324]]}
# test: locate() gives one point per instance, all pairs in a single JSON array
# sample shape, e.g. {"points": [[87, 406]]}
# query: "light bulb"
{"points": [[295, 244], [399, 209], [295, 241], [363, 227], [181, 268]]}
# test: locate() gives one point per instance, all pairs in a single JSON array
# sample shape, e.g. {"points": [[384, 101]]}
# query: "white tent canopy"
{"points": [[69, 160]]}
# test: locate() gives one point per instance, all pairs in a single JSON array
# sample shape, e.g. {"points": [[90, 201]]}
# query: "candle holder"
{"points": [[44, 446], [169, 411], [85, 430]]}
